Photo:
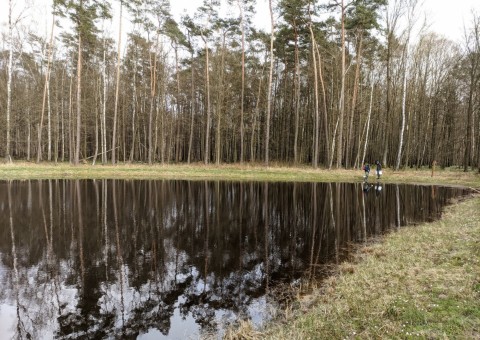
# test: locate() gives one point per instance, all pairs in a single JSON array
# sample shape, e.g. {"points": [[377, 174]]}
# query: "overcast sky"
{"points": [[446, 17]]}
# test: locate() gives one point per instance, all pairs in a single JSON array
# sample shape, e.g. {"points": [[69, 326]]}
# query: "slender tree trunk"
{"points": [[117, 86], [368, 122], [317, 114], [95, 153], [404, 97], [255, 117], [297, 98], [76, 159], [354, 100], [49, 123], [270, 80], [70, 125], [325, 111], [220, 105], [468, 141], [45, 89], [207, 128], [242, 94], [9, 81], [177, 69], [192, 113], [153, 83], [134, 105], [342, 95]]}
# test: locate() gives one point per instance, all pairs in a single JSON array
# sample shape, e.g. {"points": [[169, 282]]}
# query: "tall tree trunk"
{"points": [[325, 112], [134, 105], [270, 80], [354, 100], [255, 116], [153, 83], [404, 97], [117, 86], [49, 124], [45, 90], [76, 159], [220, 105], [474, 61], [104, 106], [296, 97], [9, 81], [177, 69], [207, 125], [342, 95], [317, 114], [192, 113], [242, 94], [368, 121]]}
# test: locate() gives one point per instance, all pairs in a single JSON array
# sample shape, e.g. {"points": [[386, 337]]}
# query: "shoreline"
{"points": [[20, 170]]}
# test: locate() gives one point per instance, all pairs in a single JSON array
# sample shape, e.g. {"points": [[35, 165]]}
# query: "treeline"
{"points": [[334, 85]]}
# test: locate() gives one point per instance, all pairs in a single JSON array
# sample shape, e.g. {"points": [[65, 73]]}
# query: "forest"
{"points": [[332, 84]]}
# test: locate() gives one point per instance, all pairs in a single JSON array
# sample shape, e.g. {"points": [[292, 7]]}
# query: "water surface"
{"points": [[178, 259]]}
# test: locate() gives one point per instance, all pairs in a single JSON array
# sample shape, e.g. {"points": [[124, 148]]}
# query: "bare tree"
{"points": [[472, 46], [45, 90]]}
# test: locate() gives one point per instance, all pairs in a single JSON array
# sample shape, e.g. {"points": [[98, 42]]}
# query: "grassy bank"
{"points": [[24, 170], [419, 282]]}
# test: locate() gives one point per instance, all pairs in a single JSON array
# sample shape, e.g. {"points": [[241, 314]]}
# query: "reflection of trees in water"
{"points": [[98, 258]]}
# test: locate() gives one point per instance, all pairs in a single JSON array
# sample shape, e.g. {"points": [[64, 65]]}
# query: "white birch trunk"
{"points": [[9, 77], [404, 97]]}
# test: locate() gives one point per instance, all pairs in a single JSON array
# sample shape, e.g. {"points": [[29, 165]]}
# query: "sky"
{"points": [[446, 17]]}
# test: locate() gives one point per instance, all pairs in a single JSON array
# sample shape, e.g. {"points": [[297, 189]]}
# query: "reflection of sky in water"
{"points": [[8, 316], [177, 260], [182, 327]]}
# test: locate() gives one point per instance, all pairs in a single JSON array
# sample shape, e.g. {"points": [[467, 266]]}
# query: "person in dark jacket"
{"points": [[379, 169], [366, 168]]}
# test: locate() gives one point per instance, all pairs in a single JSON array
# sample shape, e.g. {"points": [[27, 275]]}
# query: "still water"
{"points": [[178, 259]]}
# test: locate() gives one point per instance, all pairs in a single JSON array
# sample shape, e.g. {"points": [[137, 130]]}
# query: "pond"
{"points": [[179, 259]]}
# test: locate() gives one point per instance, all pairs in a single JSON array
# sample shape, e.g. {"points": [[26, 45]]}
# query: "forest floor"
{"points": [[418, 282]]}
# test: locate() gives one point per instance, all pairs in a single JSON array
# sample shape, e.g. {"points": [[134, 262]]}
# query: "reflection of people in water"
{"points": [[378, 188], [366, 187]]}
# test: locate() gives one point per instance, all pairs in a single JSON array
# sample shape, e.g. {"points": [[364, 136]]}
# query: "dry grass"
{"points": [[421, 282]]}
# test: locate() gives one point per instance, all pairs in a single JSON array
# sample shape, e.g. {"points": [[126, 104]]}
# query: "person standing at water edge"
{"points": [[379, 169], [366, 168]]}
